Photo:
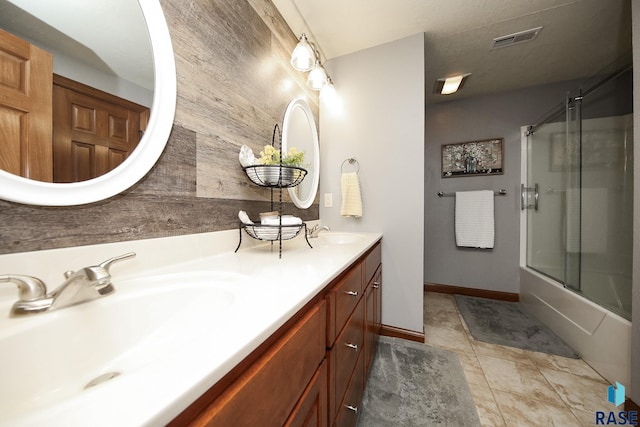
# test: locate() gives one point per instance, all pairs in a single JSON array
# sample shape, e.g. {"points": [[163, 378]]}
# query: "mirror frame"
{"points": [[22, 190], [315, 162]]}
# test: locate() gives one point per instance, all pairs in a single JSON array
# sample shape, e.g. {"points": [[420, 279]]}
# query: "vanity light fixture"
{"points": [[305, 57], [317, 78], [449, 85], [328, 91]]}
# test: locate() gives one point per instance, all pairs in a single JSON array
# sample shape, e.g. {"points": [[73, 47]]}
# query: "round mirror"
{"points": [[159, 122], [299, 131]]}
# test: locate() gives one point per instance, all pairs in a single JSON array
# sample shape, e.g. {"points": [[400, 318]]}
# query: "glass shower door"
{"points": [[580, 232], [572, 191], [545, 157]]}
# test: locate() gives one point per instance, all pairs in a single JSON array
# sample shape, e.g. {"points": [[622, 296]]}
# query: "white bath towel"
{"points": [[474, 219], [351, 198]]}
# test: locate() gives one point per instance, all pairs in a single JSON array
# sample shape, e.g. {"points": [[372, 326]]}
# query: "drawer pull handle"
{"points": [[376, 285], [351, 408], [352, 293], [352, 346]]}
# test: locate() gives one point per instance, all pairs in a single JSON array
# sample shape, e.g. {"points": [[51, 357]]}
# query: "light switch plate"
{"points": [[328, 200]]}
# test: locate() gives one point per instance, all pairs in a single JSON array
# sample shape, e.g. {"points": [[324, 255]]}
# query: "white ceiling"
{"points": [[578, 38]]}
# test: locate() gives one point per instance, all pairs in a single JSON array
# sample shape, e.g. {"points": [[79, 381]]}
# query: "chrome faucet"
{"points": [[315, 230], [80, 286]]}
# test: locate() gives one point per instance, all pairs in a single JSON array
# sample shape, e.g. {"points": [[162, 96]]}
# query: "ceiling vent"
{"points": [[515, 38]]}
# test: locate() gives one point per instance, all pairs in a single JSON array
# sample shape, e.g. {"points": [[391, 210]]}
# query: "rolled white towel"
{"points": [[246, 156], [244, 218], [286, 220]]}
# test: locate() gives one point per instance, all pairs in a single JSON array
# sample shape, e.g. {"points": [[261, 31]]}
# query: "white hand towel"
{"points": [[351, 198], [474, 219]]}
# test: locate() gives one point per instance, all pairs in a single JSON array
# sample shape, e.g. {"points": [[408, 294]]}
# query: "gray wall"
{"points": [[234, 83], [381, 124], [496, 116]]}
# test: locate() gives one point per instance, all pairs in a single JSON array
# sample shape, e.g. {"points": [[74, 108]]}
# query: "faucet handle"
{"points": [[30, 288], [108, 263]]}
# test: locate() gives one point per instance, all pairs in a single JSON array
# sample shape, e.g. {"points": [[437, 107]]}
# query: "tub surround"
{"points": [[279, 288], [601, 338]]}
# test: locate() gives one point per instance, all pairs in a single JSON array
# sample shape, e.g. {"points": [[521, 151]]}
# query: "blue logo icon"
{"points": [[615, 394]]}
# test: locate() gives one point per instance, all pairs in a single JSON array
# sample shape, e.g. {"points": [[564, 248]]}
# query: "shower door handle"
{"points": [[524, 197]]}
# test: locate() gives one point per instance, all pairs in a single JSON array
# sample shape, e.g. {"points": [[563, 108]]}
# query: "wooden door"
{"points": [[93, 131], [26, 74]]}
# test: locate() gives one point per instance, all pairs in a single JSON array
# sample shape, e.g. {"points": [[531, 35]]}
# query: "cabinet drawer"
{"points": [[268, 390], [343, 298], [348, 411], [371, 262], [343, 357]]}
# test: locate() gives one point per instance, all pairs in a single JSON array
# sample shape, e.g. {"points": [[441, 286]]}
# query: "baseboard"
{"points": [[630, 405], [472, 292], [392, 331]]}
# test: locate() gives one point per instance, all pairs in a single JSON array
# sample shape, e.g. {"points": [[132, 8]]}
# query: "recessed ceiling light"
{"points": [[449, 85]]}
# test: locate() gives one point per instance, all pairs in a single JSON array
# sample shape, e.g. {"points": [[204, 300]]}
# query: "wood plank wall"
{"points": [[234, 83]]}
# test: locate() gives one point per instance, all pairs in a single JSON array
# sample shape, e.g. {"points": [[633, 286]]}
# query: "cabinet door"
{"points": [[267, 393], [348, 411], [370, 328], [377, 286], [311, 410]]}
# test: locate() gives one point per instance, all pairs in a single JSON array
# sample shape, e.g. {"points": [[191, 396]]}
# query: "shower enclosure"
{"points": [[578, 194]]}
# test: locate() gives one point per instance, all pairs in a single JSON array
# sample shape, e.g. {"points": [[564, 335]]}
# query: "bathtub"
{"points": [[601, 337]]}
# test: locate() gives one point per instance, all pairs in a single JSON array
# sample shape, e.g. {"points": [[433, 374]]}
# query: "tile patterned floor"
{"points": [[513, 387]]}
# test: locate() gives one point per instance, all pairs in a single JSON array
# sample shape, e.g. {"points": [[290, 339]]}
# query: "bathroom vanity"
{"points": [[312, 370], [197, 334]]}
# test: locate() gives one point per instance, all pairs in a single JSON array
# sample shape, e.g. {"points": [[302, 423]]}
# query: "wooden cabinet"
{"points": [[313, 371], [268, 391], [311, 410], [356, 321], [373, 295]]}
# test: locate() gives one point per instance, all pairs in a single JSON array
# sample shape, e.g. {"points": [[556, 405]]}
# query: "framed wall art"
{"points": [[473, 158]]}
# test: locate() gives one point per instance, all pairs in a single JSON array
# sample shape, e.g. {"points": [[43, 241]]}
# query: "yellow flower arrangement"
{"points": [[271, 156]]}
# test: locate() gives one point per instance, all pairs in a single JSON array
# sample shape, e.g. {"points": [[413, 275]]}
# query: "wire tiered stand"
{"points": [[275, 177]]}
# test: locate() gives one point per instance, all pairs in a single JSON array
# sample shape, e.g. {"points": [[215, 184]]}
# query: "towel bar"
{"points": [[351, 161], [502, 192]]}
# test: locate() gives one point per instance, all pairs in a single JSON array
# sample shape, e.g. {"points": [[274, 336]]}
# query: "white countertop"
{"points": [[273, 290]]}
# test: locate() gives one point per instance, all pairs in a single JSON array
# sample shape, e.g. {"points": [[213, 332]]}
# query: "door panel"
{"points": [[26, 80], [94, 132]]}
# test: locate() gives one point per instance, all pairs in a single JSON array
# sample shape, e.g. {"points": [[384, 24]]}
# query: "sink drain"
{"points": [[101, 379]]}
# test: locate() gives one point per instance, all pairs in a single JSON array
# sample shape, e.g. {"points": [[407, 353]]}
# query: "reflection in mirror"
{"points": [[299, 131], [152, 85], [96, 107]]}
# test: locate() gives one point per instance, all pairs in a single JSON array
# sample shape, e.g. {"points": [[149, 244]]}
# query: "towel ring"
{"points": [[351, 160]]}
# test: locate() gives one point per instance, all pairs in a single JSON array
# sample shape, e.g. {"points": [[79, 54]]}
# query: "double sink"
{"points": [[161, 339]]}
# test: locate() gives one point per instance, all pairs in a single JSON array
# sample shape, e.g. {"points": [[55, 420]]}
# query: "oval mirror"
{"points": [[299, 131], [159, 123]]}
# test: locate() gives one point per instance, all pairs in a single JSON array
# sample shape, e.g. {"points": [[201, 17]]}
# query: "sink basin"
{"points": [[339, 238], [51, 357]]}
